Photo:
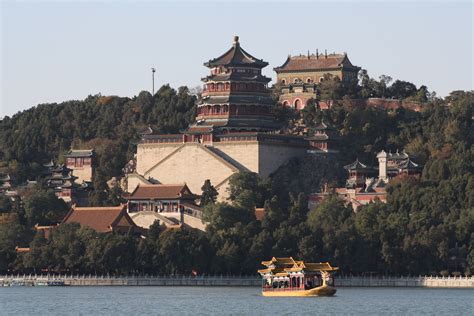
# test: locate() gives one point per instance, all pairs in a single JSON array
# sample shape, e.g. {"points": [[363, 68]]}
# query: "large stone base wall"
{"points": [[193, 163]]}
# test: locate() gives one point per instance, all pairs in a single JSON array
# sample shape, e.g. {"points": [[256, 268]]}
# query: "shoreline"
{"points": [[231, 281]]}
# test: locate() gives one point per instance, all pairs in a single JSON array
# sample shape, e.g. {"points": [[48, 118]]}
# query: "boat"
{"points": [[289, 277]]}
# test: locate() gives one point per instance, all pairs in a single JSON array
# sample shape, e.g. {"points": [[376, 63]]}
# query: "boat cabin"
{"points": [[287, 274]]}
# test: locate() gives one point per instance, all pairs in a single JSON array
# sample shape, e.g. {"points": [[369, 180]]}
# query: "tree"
{"points": [[44, 208], [402, 89], [334, 222], [209, 193], [5, 204], [11, 235], [330, 88]]}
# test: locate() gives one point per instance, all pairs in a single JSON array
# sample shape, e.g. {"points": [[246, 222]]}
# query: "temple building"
{"points": [[324, 139], [235, 96], [106, 219], [81, 162], [234, 131], [5, 183], [59, 178], [299, 76], [363, 187], [171, 204]]}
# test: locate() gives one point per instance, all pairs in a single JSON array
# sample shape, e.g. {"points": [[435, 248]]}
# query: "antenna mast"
{"points": [[153, 70]]}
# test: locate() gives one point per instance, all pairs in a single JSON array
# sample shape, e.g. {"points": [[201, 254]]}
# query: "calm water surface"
{"points": [[230, 300]]}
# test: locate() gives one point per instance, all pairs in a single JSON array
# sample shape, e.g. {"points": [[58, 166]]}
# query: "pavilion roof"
{"points": [[80, 153], [315, 62], [160, 191], [357, 165], [409, 164], [101, 219], [236, 56]]}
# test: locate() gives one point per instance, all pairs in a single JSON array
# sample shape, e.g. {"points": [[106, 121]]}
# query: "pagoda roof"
{"points": [[80, 153], [160, 191], [146, 131], [237, 99], [235, 76], [236, 56], [409, 164], [315, 62], [323, 136], [397, 155], [357, 165]]}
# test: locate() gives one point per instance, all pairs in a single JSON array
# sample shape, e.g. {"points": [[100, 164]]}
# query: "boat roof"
{"points": [[283, 266]]}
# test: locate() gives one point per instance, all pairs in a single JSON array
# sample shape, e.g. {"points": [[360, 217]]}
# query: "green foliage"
{"points": [[6, 204], [425, 227], [107, 124], [209, 193], [44, 208], [248, 190]]}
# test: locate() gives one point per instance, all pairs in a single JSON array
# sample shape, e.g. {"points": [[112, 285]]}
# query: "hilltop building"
{"points": [[324, 140], [60, 179], [81, 162], [363, 187], [299, 76], [234, 131]]}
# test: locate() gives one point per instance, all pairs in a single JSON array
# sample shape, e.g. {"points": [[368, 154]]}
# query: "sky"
{"points": [[66, 50]]}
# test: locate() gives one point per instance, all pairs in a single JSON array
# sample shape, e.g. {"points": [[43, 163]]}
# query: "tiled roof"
{"points": [[159, 191], [237, 77], [356, 165], [101, 219], [313, 62], [236, 56], [80, 153], [237, 99], [408, 164]]}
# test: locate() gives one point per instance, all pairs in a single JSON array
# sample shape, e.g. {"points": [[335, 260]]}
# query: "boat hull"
{"points": [[317, 291]]}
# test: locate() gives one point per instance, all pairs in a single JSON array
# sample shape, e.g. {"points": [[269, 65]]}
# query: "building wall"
{"points": [[272, 156], [133, 180], [191, 163], [149, 154], [243, 155], [304, 75]]}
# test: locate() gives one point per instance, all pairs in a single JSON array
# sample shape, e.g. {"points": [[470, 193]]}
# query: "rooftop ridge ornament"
{"points": [[236, 40]]}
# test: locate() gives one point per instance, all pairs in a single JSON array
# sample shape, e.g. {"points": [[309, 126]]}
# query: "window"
{"points": [[308, 80], [283, 81]]}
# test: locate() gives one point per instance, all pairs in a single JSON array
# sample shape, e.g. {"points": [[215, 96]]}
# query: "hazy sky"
{"points": [[57, 51]]}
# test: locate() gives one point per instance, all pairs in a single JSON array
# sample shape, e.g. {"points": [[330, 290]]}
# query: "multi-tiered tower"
{"points": [[233, 132], [235, 97]]}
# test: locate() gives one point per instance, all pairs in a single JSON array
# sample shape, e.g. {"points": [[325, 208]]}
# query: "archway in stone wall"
{"points": [[298, 105]]}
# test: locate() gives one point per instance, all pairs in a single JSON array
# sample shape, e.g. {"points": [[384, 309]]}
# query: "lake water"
{"points": [[230, 300]]}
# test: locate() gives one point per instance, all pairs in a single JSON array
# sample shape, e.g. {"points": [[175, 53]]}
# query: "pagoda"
{"points": [[235, 131], [235, 95]]}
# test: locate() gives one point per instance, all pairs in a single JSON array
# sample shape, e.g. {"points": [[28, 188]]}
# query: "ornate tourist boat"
{"points": [[289, 277]]}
